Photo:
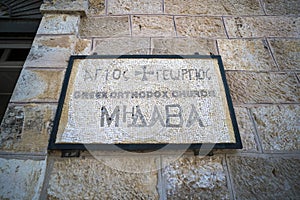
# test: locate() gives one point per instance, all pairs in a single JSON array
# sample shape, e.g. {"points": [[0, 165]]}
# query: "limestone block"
{"points": [[262, 26], [208, 27], [265, 178], [122, 46], [38, 85], [282, 7], [250, 87], [278, 127], [246, 129], [104, 26], [251, 55], [59, 24], [26, 128], [21, 179], [97, 180], [82, 47], [213, 7], [96, 7], [51, 51], [286, 53], [134, 7], [64, 6], [195, 177], [152, 26], [183, 46]]}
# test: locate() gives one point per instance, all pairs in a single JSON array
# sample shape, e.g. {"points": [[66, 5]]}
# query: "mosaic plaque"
{"points": [[144, 101]]}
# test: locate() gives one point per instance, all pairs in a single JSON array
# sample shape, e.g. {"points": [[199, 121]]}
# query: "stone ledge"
{"points": [[59, 24], [65, 7]]}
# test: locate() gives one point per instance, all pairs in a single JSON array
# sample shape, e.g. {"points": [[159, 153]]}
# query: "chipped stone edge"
{"points": [[82, 12]]}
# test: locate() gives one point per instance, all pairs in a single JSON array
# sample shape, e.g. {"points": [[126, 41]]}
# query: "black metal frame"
{"points": [[140, 147]]}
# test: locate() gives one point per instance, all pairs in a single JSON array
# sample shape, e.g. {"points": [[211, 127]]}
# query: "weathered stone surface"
{"points": [[262, 26], [286, 53], [38, 85], [98, 180], [154, 26], [96, 7], [83, 47], [59, 24], [64, 6], [250, 87], [122, 46], [213, 7], [246, 129], [21, 179], [211, 27], [195, 177], [281, 7], [265, 178], [246, 55], [134, 7], [26, 128], [50, 51], [183, 46], [278, 127], [104, 26]]}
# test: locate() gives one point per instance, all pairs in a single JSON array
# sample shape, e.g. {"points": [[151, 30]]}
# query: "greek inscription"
{"points": [[184, 74], [138, 116], [170, 117], [107, 75], [173, 115], [115, 116], [194, 117], [144, 73]]}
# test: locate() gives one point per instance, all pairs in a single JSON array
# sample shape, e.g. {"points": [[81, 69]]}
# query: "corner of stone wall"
{"points": [[26, 126]]}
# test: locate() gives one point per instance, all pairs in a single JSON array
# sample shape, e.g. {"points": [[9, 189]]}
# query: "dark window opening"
{"points": [[11, 62], [18, 54], [19, 21]]}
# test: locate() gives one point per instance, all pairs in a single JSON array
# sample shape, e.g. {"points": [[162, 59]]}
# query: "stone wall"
{"points": [[259, 41]]}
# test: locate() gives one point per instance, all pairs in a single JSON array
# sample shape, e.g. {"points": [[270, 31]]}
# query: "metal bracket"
{"points": [[70, 153]]}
